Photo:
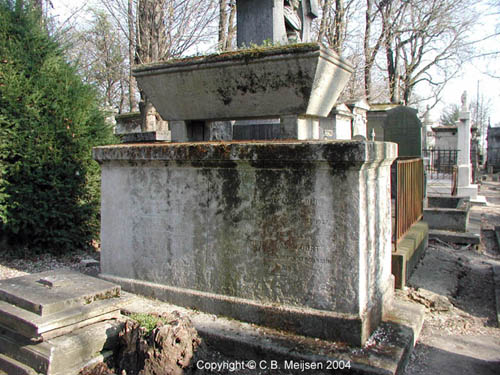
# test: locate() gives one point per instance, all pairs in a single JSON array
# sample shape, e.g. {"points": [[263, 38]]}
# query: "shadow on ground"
{"points": [[465, 355]]}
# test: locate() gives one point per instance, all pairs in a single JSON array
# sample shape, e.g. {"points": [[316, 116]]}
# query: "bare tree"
{"points": [[392, 13], [101, 56], [422, 41], [334, 22], [158, 30], [427, 40], [371, 49], [480, 115], [450, 115], [131, 56]]}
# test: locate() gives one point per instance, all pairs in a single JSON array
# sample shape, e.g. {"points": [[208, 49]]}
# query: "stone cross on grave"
{"points": [[274, 21]]}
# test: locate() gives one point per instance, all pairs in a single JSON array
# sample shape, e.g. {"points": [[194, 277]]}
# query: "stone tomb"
{"points": [[292, 235], [55, 322]]}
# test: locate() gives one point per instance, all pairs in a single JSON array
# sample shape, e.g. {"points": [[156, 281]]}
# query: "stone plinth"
{"points": [[127, 123], [259, 21], [292, 235]]}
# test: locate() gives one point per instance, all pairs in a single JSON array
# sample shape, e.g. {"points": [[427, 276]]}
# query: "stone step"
{"points": [[17, 347], [33, 325], [63, 355], [51, 292], [12, 367]]}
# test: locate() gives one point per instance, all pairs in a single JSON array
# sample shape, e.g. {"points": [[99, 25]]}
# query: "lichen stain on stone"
{"points": [[230, 185], [284, 224], [341, 158], [300, 156], [254, 82], [226, 94]]}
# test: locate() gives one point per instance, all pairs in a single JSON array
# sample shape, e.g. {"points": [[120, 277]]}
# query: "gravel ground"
{"points": [[82, 261]]}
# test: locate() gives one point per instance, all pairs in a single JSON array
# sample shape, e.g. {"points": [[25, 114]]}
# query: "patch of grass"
{"points": [[147, 321]]}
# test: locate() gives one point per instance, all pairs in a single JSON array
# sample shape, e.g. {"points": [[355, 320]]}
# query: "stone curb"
{"points": [[455, 237]]}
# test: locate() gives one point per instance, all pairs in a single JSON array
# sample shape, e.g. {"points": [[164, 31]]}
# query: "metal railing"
{"points": [[440, 163], [409, 194]]}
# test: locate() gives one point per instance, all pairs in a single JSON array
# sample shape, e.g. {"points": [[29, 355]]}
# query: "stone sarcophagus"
{"points": [[303, 79], [296, 85], [292, 235]]}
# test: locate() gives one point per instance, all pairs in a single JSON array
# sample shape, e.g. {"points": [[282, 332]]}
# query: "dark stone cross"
{"points": [[274, 21]]}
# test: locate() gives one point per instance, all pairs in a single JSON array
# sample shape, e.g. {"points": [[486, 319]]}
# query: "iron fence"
{"points": [[408, 188], [439, 163]]}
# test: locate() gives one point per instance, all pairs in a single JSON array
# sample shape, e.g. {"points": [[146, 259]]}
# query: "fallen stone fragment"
{"points": [[431, 300]]}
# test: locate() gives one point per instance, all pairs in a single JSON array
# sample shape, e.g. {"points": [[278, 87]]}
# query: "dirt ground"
{"points": [[460, 333]]}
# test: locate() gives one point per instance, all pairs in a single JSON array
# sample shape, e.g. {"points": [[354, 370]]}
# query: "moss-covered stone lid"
{"points": [[247, 55]]}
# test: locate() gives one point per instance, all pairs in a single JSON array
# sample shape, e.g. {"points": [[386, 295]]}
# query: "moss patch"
{"points": [[148, 321], [246, 54]]}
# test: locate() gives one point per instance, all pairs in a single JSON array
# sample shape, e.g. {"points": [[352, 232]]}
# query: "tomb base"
{"points": [[287, 234]]}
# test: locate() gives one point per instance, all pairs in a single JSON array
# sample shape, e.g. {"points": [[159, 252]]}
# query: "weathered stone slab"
{"points": [[151, 136], [295, 235], [33, 325], [55, 291], [289, 80], [36, 355], [10, 366], [64, 355]]}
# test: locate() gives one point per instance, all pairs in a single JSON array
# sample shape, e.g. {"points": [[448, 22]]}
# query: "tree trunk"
{"points": [[227, 29], [131, 56], [122, 96], [231, 27], [323, 23], [222, 24], [407, 91], [339, 25], [391, 72], [367, 70]]}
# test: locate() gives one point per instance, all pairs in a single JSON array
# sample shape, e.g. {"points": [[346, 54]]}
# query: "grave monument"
{"points": [[292, 234], [465, 188], [56, 322]]}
